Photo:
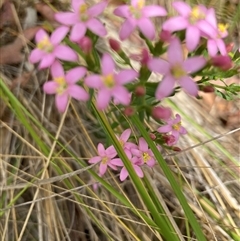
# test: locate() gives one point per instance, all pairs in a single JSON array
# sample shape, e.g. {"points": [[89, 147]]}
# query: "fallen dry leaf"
{"points": [[11, 53]]}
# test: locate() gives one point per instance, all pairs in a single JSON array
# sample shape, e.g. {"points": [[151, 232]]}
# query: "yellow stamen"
{"points": [[109, 81], [45, 45], [146, 157], [177, 126], [196, 15], [83, 12], [222, 27], [178, 72], [62, 85], [104, 160]]}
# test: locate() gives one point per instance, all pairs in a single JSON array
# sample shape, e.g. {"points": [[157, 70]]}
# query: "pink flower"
{"points": [[65, 86], [83, 18], [105, 158], [49, 48], [215, 38], [191, 19], [174, 128], [136, 163], [176, 70], [137, 15], [160, 112], [110, 84], [123, 139], [144, 153]]}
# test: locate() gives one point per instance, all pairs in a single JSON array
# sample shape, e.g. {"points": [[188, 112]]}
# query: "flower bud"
{"points": [[152, 136], [229, 47], [114, 44], [160, 112], [208, 89], [140, 90], [169, 139], [85, 44], [175, 148], [129, 111], [165, 36], [223, 62]]}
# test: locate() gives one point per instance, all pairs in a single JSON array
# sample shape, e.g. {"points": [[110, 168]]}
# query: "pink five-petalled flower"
{"points": [[136, 163], [144, 153], [176, 69], [215, 37], [123, 139], [105, 158], [137, 15], [191, 19], [110, 84], [83, 18], [49, 48], [173, 127], [64, 86]]}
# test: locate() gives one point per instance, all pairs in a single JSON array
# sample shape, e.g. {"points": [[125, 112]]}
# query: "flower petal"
{"points": [[96, 27], [175, 52], [40, 35], [57, 70], [36, 55], [211, 17], [154, 11], [111, 152], [95, 159], [194, 64], [138, 170], [147, 28], [126, 76], [61, 102], [97, 9], [182, 8], [66, 18], [101, 150], [103, 99], [165, 88], [117, 162], [175, 24], [126, 29], [102, 168], [164, 129], [151, 162], [122, 11], [192, 37], [65, 53], [221, 46], [93, 81], [143, 146], [122, 95], [107, 64], [75, 74], [212, 47], [76, 4], [123, 174], [46, 61], [189, 85], [125, 135], [159, 65], [50, 87], [78, 31], [59, 34], [78, 93]]}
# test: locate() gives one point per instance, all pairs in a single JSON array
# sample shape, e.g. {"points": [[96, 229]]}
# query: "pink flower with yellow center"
{"points": [[176, 69], [144, 153], [137, 15], [105, 158], [110, 84], [174, 127], [65, 86], [49, 48], [82, 18], [191, 19]]}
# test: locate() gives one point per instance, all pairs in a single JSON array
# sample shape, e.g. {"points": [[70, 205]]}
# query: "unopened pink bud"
{"points": [[129, 111], [169, 139], [85, 44], [145, 57], [140, 90], [229, 47], [165, 36], [160, 112], [208, 89], [152, 136], [114, 44], [175, 148], [223, 62]]}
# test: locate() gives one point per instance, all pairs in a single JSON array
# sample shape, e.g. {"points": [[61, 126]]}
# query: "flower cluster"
{"points": [[129, 88]]}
